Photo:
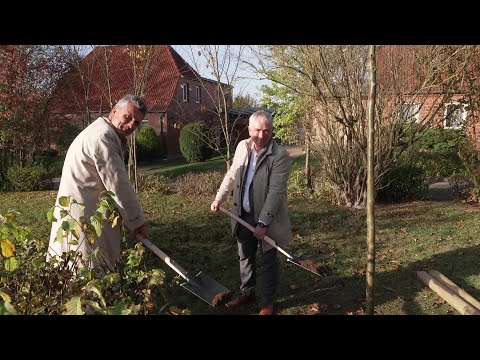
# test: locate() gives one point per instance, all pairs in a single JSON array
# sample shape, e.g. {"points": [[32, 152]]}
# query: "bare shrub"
{"points": [[154, 184], [204, 183]]}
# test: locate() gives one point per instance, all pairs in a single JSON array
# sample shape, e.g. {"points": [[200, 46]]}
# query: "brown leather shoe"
{"points": [[241, 300], [266, 309]]}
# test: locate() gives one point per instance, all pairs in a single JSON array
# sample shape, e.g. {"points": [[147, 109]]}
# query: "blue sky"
{"points": [[247, 85]]}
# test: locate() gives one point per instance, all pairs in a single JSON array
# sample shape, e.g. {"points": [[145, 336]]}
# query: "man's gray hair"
{"points": [[135, 100], [263, 114]]}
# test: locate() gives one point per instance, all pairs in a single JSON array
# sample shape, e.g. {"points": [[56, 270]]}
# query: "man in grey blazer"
{"points": [[259, 177]]}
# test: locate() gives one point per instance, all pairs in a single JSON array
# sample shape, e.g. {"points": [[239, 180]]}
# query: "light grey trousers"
{"points": [[247, 250]]}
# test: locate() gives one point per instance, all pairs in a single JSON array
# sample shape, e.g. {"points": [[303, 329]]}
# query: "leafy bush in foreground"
{"points": [[29, 285]]}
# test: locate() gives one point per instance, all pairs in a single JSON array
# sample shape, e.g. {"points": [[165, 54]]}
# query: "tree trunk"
{"points": [[370, 290], [229, 158], [308, 174], [132, 161]]}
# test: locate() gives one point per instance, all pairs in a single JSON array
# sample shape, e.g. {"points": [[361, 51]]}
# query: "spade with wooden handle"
{"points": [[201, 285], [310, 265]]}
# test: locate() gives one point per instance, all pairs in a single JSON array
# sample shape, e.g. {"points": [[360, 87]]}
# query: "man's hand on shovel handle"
{"points": [[260, 232], [215, 205], [141, 230]]}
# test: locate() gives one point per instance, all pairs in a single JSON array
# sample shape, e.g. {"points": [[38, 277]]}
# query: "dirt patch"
{"points": [[221, 298], [316, 267]]}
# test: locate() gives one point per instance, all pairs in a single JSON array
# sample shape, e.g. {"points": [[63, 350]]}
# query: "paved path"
{"points": [[295, 151], [440, 191]]}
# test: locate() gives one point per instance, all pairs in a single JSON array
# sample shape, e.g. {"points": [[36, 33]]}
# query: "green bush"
{"points": [[149, 144], [49, 159], [30, 285], [193, 143], [402, 183], [296, 183], [438, 164], [441, 139], [437, 151], [320, 188], [203, 183], [27, 178], [65, 136]]}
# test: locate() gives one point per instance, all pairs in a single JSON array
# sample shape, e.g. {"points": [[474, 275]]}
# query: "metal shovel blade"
{"points": [[314, 267], [207, 289]]}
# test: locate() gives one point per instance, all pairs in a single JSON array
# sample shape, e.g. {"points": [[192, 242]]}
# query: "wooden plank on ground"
{"points": [[445, 293], [455, 288]]}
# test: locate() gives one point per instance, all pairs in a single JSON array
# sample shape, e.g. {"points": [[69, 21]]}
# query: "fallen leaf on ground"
{"points": [[175, 310], [439, 301]]}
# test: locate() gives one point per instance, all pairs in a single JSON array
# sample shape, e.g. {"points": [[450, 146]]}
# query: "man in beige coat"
{"points": [[258, 176], [94, 163]]}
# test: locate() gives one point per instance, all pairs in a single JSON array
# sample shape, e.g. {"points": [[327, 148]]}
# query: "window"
{"points": [[455, 115], [185, 92], [198, 94], [410, 112]]}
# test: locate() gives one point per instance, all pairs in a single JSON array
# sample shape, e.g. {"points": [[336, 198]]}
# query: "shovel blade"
{"points": [[207, 289], [314, 267]]}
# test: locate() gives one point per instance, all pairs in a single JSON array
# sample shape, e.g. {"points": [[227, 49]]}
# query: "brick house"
{"points": [[444, 106], [174, 92]]}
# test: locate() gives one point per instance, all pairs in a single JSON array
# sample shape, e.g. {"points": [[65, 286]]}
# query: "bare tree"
{"points": [[101, 86], [222, 65], [84, 70], [336, 78], [104, 81], [292, 119], [142, 57]]}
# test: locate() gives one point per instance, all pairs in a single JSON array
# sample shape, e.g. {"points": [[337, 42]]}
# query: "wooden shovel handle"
{"points": [[178, 269], [252, 229]]}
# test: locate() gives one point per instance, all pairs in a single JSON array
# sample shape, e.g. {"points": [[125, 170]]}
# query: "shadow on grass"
{"points": [[200, 241], [397, 292]]}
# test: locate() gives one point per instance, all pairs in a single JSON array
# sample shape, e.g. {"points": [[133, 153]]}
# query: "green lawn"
{"points": [[176, 167], [413, 236], [170, 168]]}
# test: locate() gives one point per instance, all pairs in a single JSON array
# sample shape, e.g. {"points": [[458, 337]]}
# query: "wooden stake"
{"points": [[455, 288], [445, 293]]}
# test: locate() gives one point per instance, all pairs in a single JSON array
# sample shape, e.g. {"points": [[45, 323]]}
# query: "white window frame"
{"points": [[462, 107], [407, 109], [198, 94], [185, 92]]}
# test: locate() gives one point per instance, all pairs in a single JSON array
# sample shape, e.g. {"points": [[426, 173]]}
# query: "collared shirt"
{"points": [[252, 164]]}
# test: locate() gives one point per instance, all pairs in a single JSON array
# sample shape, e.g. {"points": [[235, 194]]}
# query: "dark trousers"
{"points": [[247, 249]]}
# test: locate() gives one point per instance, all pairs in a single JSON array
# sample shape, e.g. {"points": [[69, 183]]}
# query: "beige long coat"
{"points": [[269, 189], [94, 162]]}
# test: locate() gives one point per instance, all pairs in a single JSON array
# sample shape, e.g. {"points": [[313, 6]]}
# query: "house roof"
{"points": [[167, 66], [247, 111]]}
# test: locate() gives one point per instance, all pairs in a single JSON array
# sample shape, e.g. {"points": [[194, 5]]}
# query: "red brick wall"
{"points": [[180, 113], [430, 106]]}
